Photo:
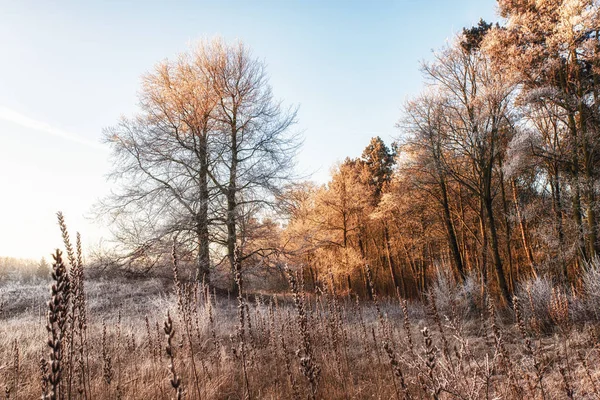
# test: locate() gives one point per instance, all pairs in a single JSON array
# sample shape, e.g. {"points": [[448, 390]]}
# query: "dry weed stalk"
{"points": [[57, 320], [185, 312], [559, 309], [16, 368], [76, 335], [397, 369], [503, 351], [150, 344], [175, 380], [288, 364], [107, 371], [241, 321], [43, 377], [308, 365], [529, 348], [434, 388], [385, 334]]}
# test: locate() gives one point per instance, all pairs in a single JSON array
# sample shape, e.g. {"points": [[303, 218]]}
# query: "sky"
{"points": [[69, 69]]}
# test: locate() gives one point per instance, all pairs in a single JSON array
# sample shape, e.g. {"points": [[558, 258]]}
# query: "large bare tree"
{"points": [[208, 149], [254, 143]]}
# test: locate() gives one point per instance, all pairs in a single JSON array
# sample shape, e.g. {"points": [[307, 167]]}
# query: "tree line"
{"points": [[493, 178]]}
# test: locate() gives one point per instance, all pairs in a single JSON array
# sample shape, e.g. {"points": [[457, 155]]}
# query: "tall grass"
{"points": [[318, 345]]}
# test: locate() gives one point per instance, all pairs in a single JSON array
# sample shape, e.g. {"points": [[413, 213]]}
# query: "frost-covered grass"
{"points": [[358, 349]]}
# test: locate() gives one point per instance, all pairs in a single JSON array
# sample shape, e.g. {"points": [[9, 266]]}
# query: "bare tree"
{"points": [[208, 149], [477, 117], [255, 146], [424, 120], [162, 161]]}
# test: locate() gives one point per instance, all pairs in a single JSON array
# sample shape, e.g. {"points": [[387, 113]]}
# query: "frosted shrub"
{"points": [[536, 297], [465, 298]]}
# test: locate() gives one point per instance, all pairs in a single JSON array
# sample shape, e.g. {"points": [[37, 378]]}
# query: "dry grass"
{"points": [[321, 346], [133, 339]]}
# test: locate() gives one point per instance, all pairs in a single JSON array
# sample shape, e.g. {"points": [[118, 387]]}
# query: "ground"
{"points": [[323, 346]]}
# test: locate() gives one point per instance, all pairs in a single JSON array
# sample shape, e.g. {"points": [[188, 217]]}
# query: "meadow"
{"points": [[119, 337]]}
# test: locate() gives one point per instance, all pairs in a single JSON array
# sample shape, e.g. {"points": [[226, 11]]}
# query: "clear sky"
{"points": [[70, 68]]}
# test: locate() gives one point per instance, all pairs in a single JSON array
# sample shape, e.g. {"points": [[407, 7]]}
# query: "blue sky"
{"points": [[71, 68]]}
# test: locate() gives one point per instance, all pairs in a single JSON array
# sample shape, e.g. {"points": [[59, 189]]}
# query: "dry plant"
{"points": [[317, 345]]}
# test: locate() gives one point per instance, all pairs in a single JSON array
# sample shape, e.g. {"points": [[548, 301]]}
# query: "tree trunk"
{"points": [[522, 228], [203, 271], [507, 232], [558, 216], [232, 204], [451, 233], [390, 260], [465, 253], [590, 199], [577, 214], [484, 251], [496, 252]]}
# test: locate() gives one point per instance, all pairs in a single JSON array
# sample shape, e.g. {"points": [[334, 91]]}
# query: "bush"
{"points": [[462, 301], [547, 306], [535, 296]]}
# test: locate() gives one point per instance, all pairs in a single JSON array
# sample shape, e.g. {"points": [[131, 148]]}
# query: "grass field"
{"points": [[115, 344]]}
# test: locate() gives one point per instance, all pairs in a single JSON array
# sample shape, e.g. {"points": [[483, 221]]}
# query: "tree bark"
{"points": [[452, 240], [507, 232], [496, 252], [390, 260], [203, 271], [231, 219], [522, 228]]}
